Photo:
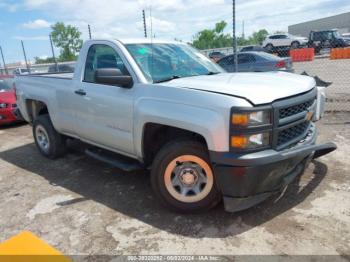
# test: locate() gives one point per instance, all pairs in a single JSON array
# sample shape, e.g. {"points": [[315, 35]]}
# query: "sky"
{"points": [[30, 20]]}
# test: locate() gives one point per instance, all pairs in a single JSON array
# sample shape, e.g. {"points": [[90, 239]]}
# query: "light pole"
{"points": [[234, 39], [89, 28], [3, 61], [25, 56], [53, 53]]}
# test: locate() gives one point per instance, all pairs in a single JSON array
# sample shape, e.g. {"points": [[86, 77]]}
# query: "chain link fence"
{"points": [[324, 59], [329, 63]]}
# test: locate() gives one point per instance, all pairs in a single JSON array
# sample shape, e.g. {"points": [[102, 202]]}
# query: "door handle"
{"points": [[80, 92]]}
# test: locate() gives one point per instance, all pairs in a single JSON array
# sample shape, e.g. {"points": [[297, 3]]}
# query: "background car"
{"points": [[21, 71], [256, 48], [327, 39], [256, 62], [216, 56], [9, 112], [279, 40]]}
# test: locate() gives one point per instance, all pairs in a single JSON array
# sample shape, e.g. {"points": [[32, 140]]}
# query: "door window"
{"points": [[102, 56], [244, 58], [228, 60], [283, 37]]}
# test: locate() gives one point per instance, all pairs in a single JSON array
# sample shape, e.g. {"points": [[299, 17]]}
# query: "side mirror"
{"points": [[113, 76]]}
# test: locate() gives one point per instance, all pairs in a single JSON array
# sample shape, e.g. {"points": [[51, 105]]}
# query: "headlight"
{"points": [[250, 141], [251, 119], [3, 105]]}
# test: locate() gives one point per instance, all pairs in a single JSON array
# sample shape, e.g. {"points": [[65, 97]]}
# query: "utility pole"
{"points": [[3, 61], [144, 23], [89, 31], [25, 56], [243, 35], [53, 54], [234, 33]]}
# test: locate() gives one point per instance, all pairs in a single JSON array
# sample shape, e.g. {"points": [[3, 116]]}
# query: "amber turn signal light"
{"points": [[239, 141], [240, 119]]}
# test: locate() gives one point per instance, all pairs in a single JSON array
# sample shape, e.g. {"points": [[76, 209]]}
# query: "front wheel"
{"points": [[182, 177]]}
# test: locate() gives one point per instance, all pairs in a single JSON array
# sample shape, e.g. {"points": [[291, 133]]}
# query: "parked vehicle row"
{"points": [[9, 112], [327, 39], [317, 40], [205, 134], [272, 42]]}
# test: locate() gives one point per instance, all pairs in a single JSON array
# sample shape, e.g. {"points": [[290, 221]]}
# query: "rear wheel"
{"points": [[269, 47], [295, 45], [182, 177], [50, 143]]}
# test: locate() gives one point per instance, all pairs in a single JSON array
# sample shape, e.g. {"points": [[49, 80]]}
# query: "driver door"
{"points": [[105, 112]]}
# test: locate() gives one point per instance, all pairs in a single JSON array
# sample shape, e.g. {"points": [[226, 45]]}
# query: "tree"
{"points": [[212, 38], [47, 60], [67, 38], [258, 37], [215, 38]]}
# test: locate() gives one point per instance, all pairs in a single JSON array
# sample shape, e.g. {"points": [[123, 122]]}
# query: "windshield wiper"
{"points": [[167, 79], [213, 73], [177, 76]]}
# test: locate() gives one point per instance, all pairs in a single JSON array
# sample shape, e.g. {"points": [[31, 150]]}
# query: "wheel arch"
{"points": [[155, 136], [35, 108]]}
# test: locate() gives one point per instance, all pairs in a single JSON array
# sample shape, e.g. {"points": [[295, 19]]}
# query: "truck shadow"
{"points": [[12, 125], [131, 194]]}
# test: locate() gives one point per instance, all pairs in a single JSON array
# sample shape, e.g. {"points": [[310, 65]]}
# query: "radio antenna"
{"points": [[150, 14]]}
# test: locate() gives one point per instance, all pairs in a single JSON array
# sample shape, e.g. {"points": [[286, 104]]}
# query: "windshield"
{"points": [[6, 84], [161, 62], [336, 34]]}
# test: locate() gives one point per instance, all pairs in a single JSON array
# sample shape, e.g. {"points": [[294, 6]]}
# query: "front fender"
{"points": [[210, 124]]}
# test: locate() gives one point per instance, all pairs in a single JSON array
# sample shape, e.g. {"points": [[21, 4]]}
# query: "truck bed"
{"points": [[51, 75]]}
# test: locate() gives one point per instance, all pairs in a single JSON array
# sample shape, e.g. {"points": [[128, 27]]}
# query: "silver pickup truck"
{"points": [[206, 135]]}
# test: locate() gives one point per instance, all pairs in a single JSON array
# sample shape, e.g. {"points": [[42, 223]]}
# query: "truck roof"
{"points": [[146, 41], [140, 41]]}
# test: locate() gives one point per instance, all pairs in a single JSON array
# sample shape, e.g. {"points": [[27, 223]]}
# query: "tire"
{"points": [[195, 167], [295, 45], [50, 143], [269, 47]]}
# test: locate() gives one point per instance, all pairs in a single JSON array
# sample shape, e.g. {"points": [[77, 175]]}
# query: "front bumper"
{"points": [[9, 115], [246, 180]]}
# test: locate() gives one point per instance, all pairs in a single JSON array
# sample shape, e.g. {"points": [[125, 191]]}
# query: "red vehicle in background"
{"points": [[8, 107]]}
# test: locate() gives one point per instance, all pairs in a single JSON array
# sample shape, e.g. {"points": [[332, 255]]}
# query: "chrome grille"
{"points": [[296, 109], [291, 133], [292, 120]]}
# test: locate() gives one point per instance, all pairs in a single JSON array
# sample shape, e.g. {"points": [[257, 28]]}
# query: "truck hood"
{"points": [[258, 88]]}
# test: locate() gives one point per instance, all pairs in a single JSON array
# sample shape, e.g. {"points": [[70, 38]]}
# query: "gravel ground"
{"points": [[82, 206]]}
